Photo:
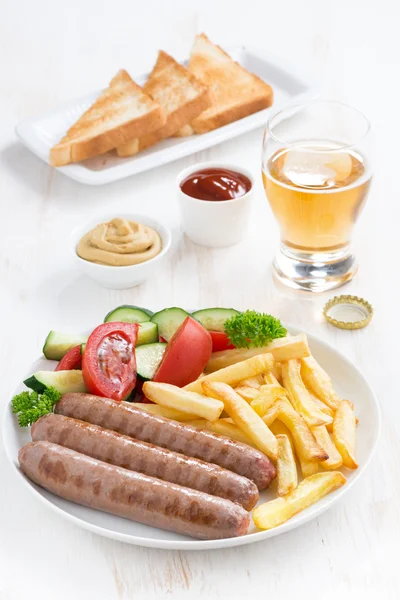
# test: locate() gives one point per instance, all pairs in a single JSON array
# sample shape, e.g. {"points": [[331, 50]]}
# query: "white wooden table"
{"points": [[55, 51]]}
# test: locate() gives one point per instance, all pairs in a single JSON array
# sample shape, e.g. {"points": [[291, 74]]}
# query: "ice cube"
{"points": [[306, 167]]}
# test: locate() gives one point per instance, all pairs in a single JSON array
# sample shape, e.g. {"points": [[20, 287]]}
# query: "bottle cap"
{"points": [[348, 312]]}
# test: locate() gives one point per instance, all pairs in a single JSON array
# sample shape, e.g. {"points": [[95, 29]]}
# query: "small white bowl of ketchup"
{"points": [[215, 201]]}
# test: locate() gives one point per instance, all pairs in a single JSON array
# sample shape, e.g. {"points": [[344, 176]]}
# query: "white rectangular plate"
{"points": [[40, 133]]}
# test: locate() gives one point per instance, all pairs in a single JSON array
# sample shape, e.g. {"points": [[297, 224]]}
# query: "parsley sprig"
{"points": [[252, 329], [30, 406]]}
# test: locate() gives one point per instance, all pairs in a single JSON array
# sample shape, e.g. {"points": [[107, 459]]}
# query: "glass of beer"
{"points": [[316, 174]]}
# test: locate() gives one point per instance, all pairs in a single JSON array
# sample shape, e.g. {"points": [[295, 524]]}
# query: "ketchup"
{"points": [[216, 185]]}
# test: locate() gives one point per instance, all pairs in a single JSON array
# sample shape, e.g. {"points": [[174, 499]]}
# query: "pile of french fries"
{"points": [[277, 399]]}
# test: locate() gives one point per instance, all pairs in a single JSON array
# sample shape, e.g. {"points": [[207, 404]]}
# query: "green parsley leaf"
{"points": [[252, 329], [30, 406]]}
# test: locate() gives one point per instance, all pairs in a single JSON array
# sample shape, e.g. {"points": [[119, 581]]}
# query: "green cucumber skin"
{"points": [[63, 381], [169, 320], [35, 385], [128, 313], [145, 354], [147, 334], [57, 344], [213, 318]]}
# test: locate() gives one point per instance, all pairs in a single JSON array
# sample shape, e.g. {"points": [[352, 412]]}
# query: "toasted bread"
{"points": [[181, 96], [184, 131], [236, 92], [121, 112]]}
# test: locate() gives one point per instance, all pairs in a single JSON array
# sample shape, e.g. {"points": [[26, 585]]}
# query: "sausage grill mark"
{"points": [[54, 471]]}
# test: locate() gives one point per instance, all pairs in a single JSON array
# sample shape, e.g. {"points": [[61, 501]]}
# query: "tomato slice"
{"points": [[71, 360], [186, 355], [220, 341], [109, 363]]}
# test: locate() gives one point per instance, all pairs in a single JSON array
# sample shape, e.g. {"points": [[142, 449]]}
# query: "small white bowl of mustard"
{"points": [[120, 250]]}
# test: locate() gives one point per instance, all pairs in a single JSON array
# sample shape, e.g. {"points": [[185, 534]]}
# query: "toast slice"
{"points": [[181, 96], [236, 92], [184, 131], [121, 112]]}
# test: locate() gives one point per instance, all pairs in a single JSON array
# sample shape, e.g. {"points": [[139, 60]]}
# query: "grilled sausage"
{"points": [[125, 418], [128, 494], [123, 451]]}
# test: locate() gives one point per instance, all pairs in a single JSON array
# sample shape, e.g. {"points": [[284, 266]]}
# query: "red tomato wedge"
{"points": [[186, 355], [109, 363], [71, 360], [220, 341]]}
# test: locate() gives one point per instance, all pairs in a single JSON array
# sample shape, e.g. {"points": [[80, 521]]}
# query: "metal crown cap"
{"points": [[348, 312]]}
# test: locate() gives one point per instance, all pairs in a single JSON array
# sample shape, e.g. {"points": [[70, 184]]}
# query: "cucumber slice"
{"points": [[168, 321], [213, 319], [63, 381], [127, 313], [57, 344], [148, 358], [147, 334]]}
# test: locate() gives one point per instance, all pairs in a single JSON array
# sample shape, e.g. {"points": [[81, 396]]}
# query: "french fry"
{"points": [[321, 405], [307, 447], [330, 425], [285, 466], [281, 349], [244, 417], [253, 382], [310, 490], [344, 433], [233, 374], [171, 396], [279, 428], [324, 440], [164, 411], [247, 393], [308, 467], [299, 396], [267, 395], [270, 378], [319, 381], [223, 427], [271, 414], [276, 371]]}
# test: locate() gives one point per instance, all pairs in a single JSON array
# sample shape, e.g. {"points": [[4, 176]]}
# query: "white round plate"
{"points": [[349, 383]]}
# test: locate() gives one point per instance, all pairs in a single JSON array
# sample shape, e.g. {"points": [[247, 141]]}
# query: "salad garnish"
{"points": [[30, 406], [252, 329]]}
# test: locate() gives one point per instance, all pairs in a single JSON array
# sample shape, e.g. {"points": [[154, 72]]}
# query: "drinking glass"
{"points": [[316, 172]]}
